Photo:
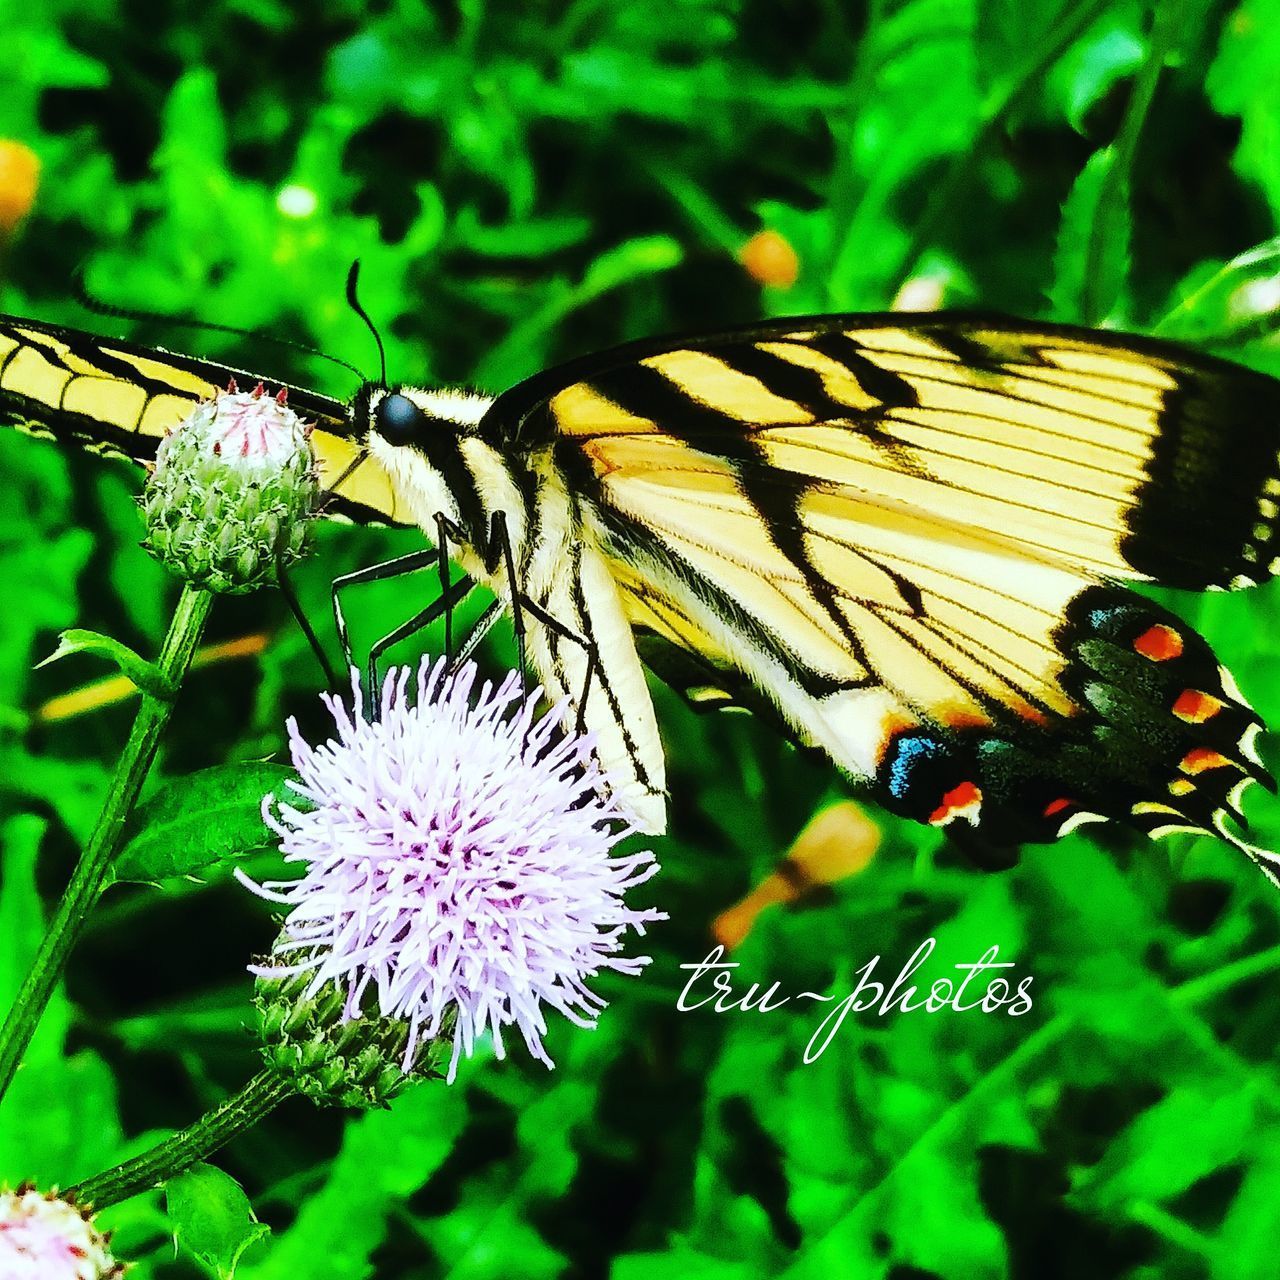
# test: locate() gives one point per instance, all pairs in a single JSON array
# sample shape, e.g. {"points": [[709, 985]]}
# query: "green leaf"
{"points": [[1092, 256], [1202, 1126], [73, 789], [640, 257], [146, 675], [1111, 50], [41, 568], [385, 1157], [22, 925], [624, 263], [59, 1119], [531, 238], [203, 820], [1219, 300], [212, 1219], [1243, 82], [1006, 29], [926, 104]]}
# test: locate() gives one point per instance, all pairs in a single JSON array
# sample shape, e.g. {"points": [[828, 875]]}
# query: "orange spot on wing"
{"points": [[1159, 643], [963, 801], [1202, 759], [961, 719], [1196, 707], [1056, 806]]}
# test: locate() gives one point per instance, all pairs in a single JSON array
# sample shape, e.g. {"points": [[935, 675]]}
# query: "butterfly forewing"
{"points": [[1107, 453], [116, 398]]}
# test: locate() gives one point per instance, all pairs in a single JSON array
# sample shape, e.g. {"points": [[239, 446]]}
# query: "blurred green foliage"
{"points": [[524, 182]]}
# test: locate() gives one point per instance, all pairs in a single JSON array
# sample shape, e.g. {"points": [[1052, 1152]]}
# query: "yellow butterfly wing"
{"points": [[906, 531], [119, 399]]}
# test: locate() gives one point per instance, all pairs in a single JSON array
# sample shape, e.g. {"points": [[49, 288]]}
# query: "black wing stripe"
{"points": [[890, 388], [1023, 474], [601, 675], [648, 393], [971, 646], [784, 378], [1021, 447], [819, 483], [106, 366], [934, 451], [82, 428], [645, 392], [980, 693], [1005, 392], [1031, 364], [635, 544], [900, 559], [312, 405]]}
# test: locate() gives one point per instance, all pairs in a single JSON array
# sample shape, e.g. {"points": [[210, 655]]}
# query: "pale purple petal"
{"points": [[457, 851]]}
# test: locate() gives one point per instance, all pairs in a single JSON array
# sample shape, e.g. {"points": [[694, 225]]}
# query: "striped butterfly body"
{"points": [[909, 534]]}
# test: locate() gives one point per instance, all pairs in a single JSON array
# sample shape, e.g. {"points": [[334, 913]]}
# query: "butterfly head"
{"points": [[430, 444], [399, 420], [404, 416]]}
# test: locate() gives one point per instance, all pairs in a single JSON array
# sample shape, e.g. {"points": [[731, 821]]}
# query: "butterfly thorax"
{"points": [[446, 461]]}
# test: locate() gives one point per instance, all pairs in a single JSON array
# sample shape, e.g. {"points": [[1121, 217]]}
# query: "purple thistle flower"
{"points": [[458, 853], [43, 1237]]}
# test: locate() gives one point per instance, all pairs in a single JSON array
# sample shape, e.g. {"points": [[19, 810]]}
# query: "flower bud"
{"points": [[19, 181], [313, 1040], [233, 490], [43, 1237]]}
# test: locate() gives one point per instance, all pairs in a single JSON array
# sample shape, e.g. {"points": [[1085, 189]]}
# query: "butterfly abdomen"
{"points": [[1162, 740]]}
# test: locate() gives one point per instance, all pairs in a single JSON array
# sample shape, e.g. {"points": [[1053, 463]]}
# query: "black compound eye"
{"points": [[397, 419]]}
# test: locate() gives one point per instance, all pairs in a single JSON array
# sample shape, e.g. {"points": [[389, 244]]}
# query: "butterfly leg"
{"points": [[481, 629], [497, 555], [496, 552], [445, 604], [449, 599], [442, 567]]}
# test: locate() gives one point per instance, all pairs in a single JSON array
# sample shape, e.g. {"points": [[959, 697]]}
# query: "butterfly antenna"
{"points": [[99, 307], [353, 301]]}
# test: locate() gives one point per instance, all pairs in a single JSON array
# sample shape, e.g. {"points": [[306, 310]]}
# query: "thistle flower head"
{"points": [[459, 863], [43, 1237], [233, 489]]}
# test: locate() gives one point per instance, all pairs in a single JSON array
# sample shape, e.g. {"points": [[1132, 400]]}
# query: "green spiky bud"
{"points": [[42, 1234], [229, 503], [337, 1060]]}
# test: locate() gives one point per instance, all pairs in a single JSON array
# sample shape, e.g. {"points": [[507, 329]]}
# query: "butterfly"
{"points": [[905, 536]]}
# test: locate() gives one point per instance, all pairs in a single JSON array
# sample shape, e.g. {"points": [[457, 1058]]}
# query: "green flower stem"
{"points": [[1210, 985], [93, 869], [189, 1146]]}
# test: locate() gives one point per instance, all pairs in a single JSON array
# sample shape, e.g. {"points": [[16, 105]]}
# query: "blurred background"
{"points": [[525, 182]]}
